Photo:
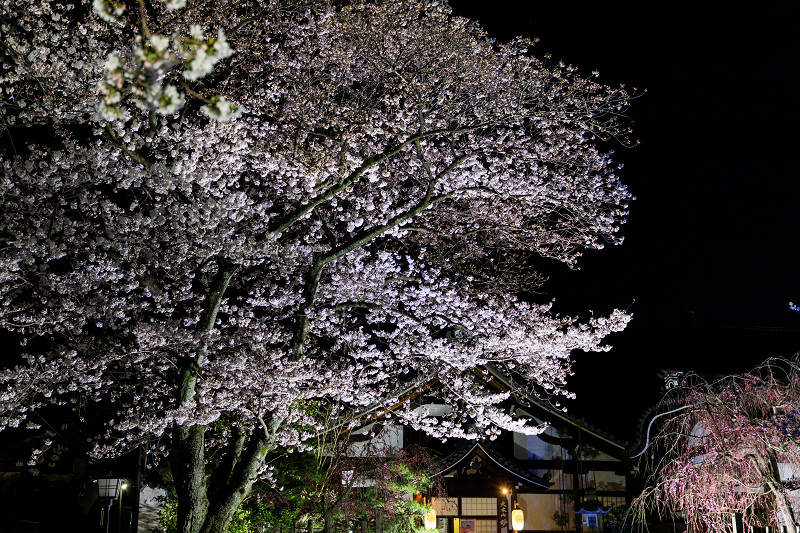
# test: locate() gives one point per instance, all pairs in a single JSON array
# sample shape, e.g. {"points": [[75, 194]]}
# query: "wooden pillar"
{"points": [[576, 486]]}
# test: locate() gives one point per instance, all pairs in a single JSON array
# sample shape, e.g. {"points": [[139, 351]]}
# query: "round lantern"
{"points": [[517, 519], [430, 520]]}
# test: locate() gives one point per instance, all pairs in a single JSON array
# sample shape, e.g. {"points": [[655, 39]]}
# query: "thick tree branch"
{"points": [[245, 472], [359, 240], [284, 223], [191, 368], [231, 456]]}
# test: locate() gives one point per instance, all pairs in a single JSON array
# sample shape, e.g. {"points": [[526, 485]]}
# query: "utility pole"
{"points": [[136, 491]]}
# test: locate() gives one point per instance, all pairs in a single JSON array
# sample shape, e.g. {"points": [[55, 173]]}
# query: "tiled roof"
{"points": [[465, 450]]}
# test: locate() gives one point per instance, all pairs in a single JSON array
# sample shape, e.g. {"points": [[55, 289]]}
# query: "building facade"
{"points": [[564, 479]]}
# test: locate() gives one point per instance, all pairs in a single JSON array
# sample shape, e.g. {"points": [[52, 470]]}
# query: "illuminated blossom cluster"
{"points": [[190, 272], [68, 64], [151, 60]]}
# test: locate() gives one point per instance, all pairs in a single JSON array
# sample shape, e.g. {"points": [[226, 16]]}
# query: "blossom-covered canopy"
{"points": [[296, 210]]}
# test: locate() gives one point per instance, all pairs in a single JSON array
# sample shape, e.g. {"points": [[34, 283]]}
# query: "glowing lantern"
{"points": [[108, 487], [517, 519], [430, 520]]}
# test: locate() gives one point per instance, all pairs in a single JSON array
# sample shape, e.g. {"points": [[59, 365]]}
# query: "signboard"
{"points": [[502, 514]]}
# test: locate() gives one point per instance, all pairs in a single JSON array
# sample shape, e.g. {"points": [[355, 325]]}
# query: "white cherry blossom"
{"points": [[329, 239]]}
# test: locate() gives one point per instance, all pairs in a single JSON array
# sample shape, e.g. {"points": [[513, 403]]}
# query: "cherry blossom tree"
{"points": [[243, 209], [733, 448]]}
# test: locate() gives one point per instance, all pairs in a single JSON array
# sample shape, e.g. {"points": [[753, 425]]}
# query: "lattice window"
{"points": [[475, 525], [486, 526], [479, 506], [612, 501]]}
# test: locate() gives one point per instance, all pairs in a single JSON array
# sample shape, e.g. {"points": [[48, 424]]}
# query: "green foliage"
{"points": [[346, 488], [617, 520], [406, 518], [561, 519], [167, 516], [261, 517], [250, 518]]}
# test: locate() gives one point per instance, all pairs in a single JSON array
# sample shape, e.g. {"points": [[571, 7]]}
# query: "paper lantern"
{"points": [[430, 520], [517, 519]]}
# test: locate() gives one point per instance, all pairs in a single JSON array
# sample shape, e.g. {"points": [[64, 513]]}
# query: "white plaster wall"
{"points": [[607, 480], [389, 440], [539, 510], [532, 447], [560, 481], [149, 507], [605, 457]]}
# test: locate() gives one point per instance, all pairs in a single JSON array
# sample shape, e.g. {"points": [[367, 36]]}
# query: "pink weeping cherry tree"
{"points": [[731, 446], [239, 210]]}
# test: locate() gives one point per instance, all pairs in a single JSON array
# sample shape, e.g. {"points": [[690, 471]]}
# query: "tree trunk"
{"points": [[188, 441], [229, 497], [188, 471], [784, 508], [328, 527], [781, 499]]}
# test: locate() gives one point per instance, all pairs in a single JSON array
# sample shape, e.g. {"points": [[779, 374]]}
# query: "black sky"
{"points": [[711, 248]]}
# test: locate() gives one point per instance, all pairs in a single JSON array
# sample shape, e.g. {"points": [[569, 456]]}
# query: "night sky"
{"points": [[709, 262]]}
